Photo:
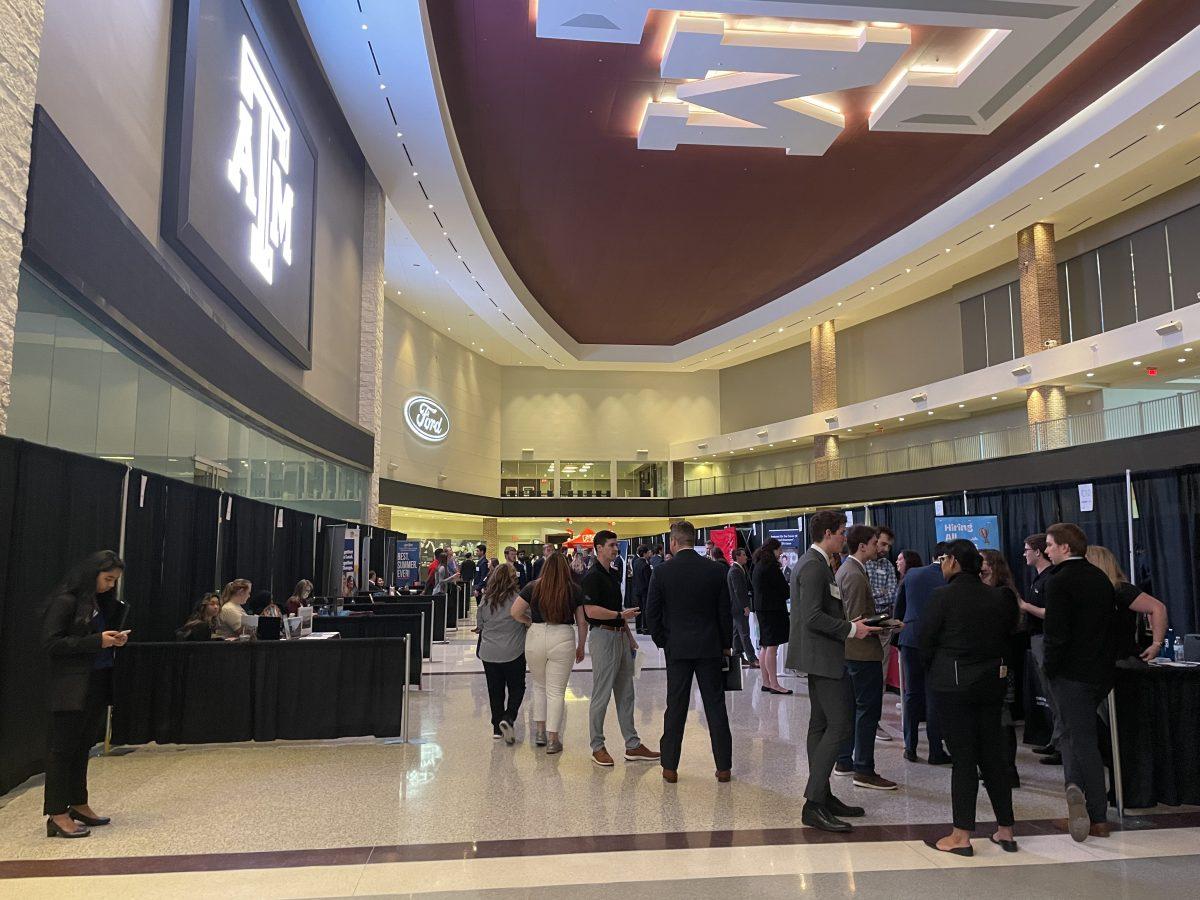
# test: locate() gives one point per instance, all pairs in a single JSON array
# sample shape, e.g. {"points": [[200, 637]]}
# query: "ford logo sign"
{"points": [[426, 419]]}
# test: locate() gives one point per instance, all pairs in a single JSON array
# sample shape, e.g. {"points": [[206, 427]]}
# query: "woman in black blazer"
{"points": [[769, 605], [77, 634], [964, 640]]}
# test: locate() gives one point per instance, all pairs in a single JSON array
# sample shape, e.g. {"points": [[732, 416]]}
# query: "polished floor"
{"points": [[456, 812]]}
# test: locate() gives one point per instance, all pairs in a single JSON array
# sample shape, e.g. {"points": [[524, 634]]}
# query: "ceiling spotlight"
{"points": [[1095, 165], [962, 406], [364, 28], [399, 134], [1159, 127], [994, 397], [839, 303], [431, 206], [1041, 198], [902, 418], [1187, 349], [1091, 374], [907, 270], [780, 331], [754, 340], [947, 249], [991, 226], [1181, 359], [930, 413], [1137, 362], [415, 173], [383, 87]]}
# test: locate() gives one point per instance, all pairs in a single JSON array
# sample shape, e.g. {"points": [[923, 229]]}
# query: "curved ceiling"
{"points": [[622, 245]]}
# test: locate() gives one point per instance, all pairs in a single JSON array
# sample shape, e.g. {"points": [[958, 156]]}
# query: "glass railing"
{"points": [[1148, 417]]}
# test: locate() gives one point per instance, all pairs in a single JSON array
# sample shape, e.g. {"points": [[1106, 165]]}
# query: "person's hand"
{"points": [[727, 651], [746, 611], [112, 639], [579, 654], [1024, 605], [630, 614], [899, 626], [862, 630], [1152, 651]]}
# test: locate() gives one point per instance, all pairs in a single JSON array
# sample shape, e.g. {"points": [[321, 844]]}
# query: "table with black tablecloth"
{"points": [[395, 625], [196, 693], [1158, 727]]}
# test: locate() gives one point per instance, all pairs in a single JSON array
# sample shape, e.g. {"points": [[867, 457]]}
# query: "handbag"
{"points": [[733, 673]]}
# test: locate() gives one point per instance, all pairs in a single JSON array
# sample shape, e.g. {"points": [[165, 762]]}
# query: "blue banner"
{"points": [[982, 531], [789, 538], [408, 563]]}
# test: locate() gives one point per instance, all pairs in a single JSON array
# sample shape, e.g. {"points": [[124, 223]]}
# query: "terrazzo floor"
{"points": [[454, 784]]}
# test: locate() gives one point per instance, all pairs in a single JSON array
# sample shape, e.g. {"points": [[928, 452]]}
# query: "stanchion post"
{"points": [[108, 732], [1118, 784], [407, 675]]}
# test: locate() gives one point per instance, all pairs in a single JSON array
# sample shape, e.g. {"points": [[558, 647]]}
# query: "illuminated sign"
{"points": [[258, 168], [427, 419], [240, 172]]}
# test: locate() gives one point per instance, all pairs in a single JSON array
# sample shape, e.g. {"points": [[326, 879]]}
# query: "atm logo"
{"points": [[258, 166], [426, 419]]}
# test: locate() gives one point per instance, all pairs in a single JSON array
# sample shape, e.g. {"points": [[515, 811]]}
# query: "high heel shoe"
{"points": [[89, 821], [53, 829]]}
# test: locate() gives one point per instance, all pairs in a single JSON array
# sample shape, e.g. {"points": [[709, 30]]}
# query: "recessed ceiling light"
{"points": [[1137, 362], [839, 303], [962, 405], [781, 330], [415, 173], [383, 87], [364, 28], [1041, 198], [994, 397], [848, 430], [1181, 359], [991, 226], [1187, 349], [1095, 165], [431, 206], [908, 270], [754, 340], [794, 440], [929, 413], [947, 249], [399, 134], [1091, 374]]}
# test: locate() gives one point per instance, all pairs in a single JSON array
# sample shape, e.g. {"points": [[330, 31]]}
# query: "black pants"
{"points": [[920, 704], [1083, 764], [72, 736], [978, 744], [743, 646], [502, 677], [830, 723], [710, 678]]}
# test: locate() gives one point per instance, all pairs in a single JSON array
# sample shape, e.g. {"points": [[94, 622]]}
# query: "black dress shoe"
{"points": [[911, 756], [1046, 750], [87, 820], [1054, 759], [844, 810], [943, 760], [816, 816]]}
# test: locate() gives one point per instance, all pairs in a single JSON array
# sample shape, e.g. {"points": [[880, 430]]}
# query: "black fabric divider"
{"points": [[247, 538], [433, 605], [274, 690], [170, 550], [323, 523], [1167, 532], [913, 521], [390, 626], [1158, 728], [57, 507], [292, 556]]}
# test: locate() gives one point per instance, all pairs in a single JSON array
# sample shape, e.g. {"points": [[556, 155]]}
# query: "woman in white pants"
{"points": [[552, 607]]}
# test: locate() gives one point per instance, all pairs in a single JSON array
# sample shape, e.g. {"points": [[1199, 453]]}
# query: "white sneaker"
{"points": [[881, 736]]}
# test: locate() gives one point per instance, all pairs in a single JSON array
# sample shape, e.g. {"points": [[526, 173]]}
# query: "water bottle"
{"points": [[1167, 650], [1178, 647]]}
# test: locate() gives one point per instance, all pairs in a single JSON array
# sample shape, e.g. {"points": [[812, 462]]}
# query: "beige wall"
{"points": [[605, 415], [103, 79], [418, 360], [766, 390]]}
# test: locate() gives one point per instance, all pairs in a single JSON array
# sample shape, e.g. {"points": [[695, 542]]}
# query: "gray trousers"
{"points": [[1082, 763], [830, 722], [743, 646], [612, 674]]}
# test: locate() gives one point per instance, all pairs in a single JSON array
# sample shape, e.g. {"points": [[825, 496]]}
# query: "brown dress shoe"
{"points": [[1100, 829], [601, 758], [642, 753], [670, 776], [723, 775]]}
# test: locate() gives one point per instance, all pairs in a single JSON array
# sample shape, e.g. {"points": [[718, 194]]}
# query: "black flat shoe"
{"points": [[53, 829], [911, 756], [87, 820], [816, 816], [957, 851], [1006, 846]]}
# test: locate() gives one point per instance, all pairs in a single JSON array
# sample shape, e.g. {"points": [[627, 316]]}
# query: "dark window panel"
{"points": [[1083, 281], [999, 326], [1150, 274], [1183, 232], [1116, 279], [1064, 306], [1014, 302], [974, 338]]}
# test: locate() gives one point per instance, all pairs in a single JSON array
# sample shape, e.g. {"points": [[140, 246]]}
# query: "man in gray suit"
{"points": [[818, 647], [738, 578]]}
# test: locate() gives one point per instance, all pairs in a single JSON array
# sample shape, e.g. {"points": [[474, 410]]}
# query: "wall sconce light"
{"points": [[1169, 328], [831, 421], [702, 446], [761, 434], [919, 398], [1022, 370]]}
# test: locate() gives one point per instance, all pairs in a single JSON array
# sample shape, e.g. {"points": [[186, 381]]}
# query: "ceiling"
{"points": [[628, 246]]}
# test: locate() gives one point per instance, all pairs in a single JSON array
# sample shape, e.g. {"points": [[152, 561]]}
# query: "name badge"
{"points": [[835, 592]]}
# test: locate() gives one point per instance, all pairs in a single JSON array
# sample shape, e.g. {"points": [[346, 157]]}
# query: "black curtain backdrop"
{"points": [[292, 559], [1023, 511], [56, 508], [1167, 531], [247, 538], [171, 550], [913, 522], [322, 573]]}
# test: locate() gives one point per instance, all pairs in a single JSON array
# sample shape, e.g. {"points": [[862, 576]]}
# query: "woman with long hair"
{"points": [[502, 649], [202, 621], [300, 596], [231, 618], [906, 561], [1132, 603], [769, 604], [995, 572], [78, 636], [550, 606]]}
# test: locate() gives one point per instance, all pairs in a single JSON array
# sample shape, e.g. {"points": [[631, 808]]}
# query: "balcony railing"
{"points": [[1147, 417]]}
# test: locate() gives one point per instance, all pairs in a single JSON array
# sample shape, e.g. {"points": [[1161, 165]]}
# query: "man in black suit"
{"points": [[547, 551], [1080, 661], [818, 647], [687, 614]]}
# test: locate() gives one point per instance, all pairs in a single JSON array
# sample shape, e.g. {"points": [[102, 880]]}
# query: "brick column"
{"points": [[20, 45], [370, 345], [491, 537], [823, 359], [1037, 259]]}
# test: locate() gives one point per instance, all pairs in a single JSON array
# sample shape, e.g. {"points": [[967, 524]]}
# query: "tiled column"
{"points": [[20, 43], [1041, 329], [491, 537], [370, 345], [823, 359]]}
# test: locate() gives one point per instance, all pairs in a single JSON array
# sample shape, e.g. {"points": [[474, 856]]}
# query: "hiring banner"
{"points": [[982, 531]]}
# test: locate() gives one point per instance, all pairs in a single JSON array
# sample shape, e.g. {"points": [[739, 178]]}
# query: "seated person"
{"points": [[264, 605], [201, 624], [230, 620], [300, 597]]}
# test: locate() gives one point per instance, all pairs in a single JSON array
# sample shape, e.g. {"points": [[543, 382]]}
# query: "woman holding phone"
{"points": [[78, 636]]}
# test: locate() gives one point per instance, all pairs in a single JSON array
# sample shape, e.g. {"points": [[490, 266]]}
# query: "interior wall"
{"points": [[765, 390], [419, 360], [103, 79], [605, 415]]}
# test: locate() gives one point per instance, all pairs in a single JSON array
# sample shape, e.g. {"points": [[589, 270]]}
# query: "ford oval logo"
{"points": [[426, 419]]}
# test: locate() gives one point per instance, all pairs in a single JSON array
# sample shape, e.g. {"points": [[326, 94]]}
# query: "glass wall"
{"points": [[583, 478], [527, 478], [641, 479], [73, 389], [586, 478]]}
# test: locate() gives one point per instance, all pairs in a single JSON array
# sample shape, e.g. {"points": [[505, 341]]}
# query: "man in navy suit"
{"points": [[916, 590]]}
